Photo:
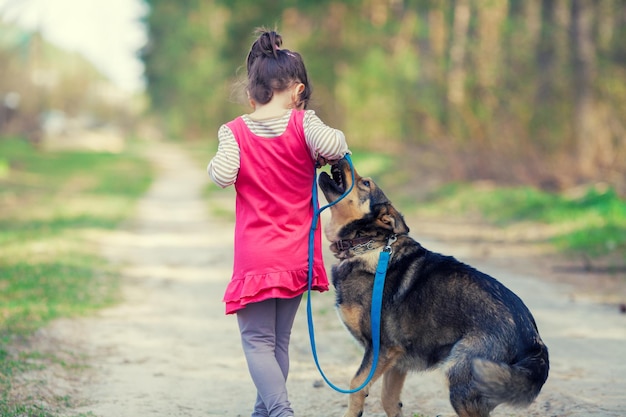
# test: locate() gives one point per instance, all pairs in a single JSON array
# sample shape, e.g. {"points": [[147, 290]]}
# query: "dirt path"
{"points": [[168, 349]]}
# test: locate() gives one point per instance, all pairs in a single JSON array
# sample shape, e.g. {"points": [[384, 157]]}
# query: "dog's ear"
{"points": [[377, 197], [391, 219]]}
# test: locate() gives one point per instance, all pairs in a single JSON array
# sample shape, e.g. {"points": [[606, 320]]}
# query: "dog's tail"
{"points": [[517, 384]]}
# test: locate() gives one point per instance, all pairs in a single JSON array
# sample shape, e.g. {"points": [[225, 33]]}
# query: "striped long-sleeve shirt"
{"points": [[322, 140]]}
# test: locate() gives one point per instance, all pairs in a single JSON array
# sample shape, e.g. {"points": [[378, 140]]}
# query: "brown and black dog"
{"points": [[436, 312]]}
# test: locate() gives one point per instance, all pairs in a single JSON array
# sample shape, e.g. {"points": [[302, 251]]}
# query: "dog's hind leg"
{"points": [[386, 360], [466, 400], [393, 381]]}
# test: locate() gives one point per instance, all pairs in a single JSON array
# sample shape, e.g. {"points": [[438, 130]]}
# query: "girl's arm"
{"points": [[224, 166], [324, 141]]}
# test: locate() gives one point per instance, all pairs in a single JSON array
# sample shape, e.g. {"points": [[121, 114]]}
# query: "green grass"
{"points": [[50, 205], [592, 221]]}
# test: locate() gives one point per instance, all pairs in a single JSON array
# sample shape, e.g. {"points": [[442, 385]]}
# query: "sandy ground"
{"points": [[168, 349]]}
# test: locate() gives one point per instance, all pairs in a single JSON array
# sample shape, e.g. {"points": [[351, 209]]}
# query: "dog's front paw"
{"points": [[351, 413]]}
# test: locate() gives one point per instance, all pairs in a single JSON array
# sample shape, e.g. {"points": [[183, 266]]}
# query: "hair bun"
{"points": [[267, 43]]}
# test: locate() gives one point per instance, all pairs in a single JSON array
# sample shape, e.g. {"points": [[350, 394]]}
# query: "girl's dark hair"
{"points": [[271, 68]]}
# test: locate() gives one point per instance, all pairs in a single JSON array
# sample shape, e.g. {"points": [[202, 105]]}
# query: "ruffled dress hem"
{"points": [[247, 289]]}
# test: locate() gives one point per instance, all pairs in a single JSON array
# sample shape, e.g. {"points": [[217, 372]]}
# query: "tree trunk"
{"points": [[584, 75], [488, 61], [546, 54], [456, 74]]}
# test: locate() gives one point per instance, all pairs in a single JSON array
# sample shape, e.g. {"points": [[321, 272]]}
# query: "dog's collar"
{"points": [[360, 245], [365, 242]]}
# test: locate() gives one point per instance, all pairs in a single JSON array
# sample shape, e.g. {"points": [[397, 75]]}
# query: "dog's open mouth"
{"points": [[334, 186]]}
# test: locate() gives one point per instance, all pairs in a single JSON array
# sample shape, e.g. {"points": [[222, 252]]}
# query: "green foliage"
{"points": [[50, 203], [371, 164], [188, 82]]}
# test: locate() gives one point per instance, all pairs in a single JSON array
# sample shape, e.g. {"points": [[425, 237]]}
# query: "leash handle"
{"points": [[377, 291]]}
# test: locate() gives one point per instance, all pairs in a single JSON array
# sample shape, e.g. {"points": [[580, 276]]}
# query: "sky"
{"points": [[107, 32]]}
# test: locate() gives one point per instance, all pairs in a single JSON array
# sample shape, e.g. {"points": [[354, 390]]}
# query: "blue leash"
{"points": [[377, 292]]}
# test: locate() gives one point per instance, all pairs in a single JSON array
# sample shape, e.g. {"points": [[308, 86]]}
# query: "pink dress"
{"points": [[273, 217]]}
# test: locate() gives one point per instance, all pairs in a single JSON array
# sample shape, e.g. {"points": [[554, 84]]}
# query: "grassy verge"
{"points": [[590, 221], [49, 203]]}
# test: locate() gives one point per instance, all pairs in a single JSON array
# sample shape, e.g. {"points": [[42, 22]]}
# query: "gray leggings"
{"points": [[265, 331]]}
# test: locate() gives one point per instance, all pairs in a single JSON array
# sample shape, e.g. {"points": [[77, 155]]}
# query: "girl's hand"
{"points": [[321, 161]]}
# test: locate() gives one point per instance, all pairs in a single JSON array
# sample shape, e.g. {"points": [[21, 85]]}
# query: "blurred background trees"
{"points": [[519, 91], [523, 91], [44, 89]]}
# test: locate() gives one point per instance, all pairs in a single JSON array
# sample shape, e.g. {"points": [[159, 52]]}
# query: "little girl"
{"points": [[269, 155]]}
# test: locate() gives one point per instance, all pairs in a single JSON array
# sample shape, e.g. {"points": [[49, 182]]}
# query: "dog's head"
{"points": [[365, 211]]}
